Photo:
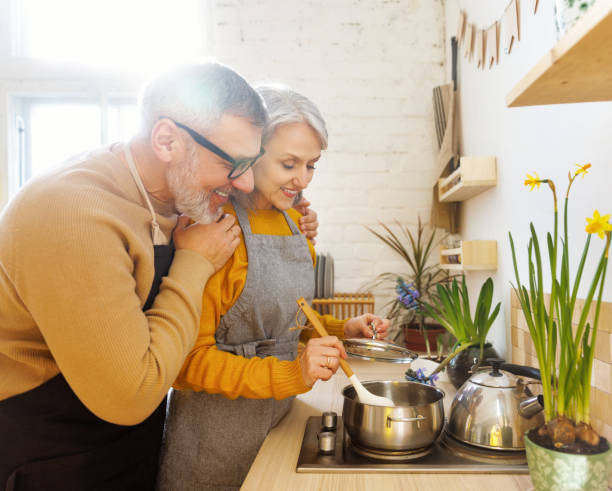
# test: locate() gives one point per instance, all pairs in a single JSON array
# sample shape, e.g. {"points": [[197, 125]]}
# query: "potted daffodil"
{"points": [[566, 453]]}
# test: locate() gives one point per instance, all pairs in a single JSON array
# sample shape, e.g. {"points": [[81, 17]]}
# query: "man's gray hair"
{"points": [[287, 106], [197, 95]]}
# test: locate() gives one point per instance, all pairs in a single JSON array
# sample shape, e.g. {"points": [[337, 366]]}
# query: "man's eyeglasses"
{"points": [[239, 166]]}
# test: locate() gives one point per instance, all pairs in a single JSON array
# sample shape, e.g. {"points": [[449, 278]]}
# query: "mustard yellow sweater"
{"points": [[219, 372], [76, 266]]}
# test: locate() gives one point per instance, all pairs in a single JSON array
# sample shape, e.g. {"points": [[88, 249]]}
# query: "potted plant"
{"points": [[566, 453], [451, 308], [413, 288]]}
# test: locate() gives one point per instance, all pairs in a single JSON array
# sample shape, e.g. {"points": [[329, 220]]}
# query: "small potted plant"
{"points": [[413, 288], [566, 453], [451, 308]]}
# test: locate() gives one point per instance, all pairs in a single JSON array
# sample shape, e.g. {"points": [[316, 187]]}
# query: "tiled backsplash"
{"points": [[523, 353]]}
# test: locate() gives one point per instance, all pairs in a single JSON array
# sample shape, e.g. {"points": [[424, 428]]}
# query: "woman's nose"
{"points": [[302, 179]]}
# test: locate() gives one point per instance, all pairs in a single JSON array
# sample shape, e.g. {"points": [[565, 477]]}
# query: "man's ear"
{"points": [[166, 141]]}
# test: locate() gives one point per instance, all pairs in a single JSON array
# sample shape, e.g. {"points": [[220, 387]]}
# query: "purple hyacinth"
{"points": [[407, 294], [419, 376]]}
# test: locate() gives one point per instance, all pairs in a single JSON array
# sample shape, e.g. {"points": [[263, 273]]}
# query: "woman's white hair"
{"points": [[287, 106], [197, 95]]}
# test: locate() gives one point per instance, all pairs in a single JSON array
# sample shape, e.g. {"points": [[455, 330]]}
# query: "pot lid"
{"points": [[374, 349]]}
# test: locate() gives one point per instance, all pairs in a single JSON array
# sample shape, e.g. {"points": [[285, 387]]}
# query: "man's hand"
{"points": [[214, 241], [308, 223], [361, 327]]}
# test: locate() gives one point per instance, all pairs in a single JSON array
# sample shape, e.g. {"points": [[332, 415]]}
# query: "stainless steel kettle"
{"points": [[496, 406]]}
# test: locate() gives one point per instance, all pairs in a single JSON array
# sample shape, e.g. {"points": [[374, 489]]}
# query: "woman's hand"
{"points": [[309, 224], [319, 360], [361, 327]]}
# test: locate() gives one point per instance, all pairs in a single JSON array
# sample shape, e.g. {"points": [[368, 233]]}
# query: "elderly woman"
{"points": [[241, 376]]}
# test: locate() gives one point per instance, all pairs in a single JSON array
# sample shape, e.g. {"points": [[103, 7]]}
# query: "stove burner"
{"points": [[386, 455], [480, 454], [390, 455]]}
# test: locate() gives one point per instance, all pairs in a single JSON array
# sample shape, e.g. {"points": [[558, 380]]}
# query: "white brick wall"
{"points": [[370, 66]]}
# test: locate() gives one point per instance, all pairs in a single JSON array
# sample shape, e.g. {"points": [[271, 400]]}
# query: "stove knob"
{"points": [[329, 421], [327, 442]]}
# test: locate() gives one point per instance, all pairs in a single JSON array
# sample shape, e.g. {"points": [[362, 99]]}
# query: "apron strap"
{"points": [[294, 228], [243, 217], [158, 236]]}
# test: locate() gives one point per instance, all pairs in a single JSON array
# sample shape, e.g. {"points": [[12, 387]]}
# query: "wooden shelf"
{"points": [[577, 69], [472, 255], [473, 176]]}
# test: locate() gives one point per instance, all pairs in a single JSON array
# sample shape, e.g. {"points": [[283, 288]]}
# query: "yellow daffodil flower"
{"points": [[533, 181], [582, 169], [598, 224]]}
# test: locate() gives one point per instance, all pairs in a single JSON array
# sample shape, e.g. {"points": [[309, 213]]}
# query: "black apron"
{"points": [[50, 441]]}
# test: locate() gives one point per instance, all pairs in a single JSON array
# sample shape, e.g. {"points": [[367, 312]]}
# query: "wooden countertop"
{"points": [[274, 467]]}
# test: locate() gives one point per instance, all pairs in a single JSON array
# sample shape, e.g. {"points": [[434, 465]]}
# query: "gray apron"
{"points": [[210, 441]]}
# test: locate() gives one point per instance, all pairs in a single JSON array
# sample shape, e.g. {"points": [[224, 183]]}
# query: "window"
{"points": [[51, 129], [71, 70]]}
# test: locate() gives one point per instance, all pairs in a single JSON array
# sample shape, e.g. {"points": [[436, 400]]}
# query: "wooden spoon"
{"points": [[363, 394]]}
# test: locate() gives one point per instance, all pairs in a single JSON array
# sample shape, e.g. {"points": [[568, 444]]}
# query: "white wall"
{"points": [[370, 66], [546, 139]]}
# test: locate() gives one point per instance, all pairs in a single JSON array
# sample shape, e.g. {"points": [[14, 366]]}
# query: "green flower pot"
{"points": [[558, 471]]}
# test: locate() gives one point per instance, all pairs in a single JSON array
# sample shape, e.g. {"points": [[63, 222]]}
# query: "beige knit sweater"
{"points": [[76, 266]]}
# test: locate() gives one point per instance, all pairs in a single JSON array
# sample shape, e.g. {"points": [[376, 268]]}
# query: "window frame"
{"points": [[26, 78], [21, 126]]}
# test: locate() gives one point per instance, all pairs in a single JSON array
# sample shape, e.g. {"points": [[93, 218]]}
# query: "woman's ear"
{"points": [[166, 141]]}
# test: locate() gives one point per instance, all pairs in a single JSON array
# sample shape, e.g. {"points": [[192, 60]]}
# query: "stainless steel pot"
{"points": [[414, 423], [494, 408]]}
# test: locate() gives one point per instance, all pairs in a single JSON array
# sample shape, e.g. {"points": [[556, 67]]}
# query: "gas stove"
{"points": [[326, 447]]}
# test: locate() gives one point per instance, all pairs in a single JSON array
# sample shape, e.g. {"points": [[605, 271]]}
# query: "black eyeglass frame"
{"points": [[239, 167]]}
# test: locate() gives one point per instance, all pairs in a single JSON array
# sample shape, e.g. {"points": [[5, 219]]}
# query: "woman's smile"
{"points": [[290, 193]]}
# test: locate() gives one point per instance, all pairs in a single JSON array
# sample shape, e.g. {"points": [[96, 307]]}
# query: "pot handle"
{"points": [[418, 417]]}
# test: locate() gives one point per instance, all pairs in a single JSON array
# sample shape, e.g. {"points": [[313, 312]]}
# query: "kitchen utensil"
{"points": [[321, 276], [496, 406], [316, 275], [446, 215], [364, 396], [375, 349], [414, 423], [330, 268], [327, 280]]}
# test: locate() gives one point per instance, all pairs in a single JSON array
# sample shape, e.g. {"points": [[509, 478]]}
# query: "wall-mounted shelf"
{"points": [[577, 69], [471, 255], [473, 176]]}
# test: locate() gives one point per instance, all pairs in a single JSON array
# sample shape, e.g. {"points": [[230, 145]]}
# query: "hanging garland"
{"points": [[483, 44]]}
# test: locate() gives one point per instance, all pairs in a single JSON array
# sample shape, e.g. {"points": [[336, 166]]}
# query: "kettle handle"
{"points": [[521, 370]]}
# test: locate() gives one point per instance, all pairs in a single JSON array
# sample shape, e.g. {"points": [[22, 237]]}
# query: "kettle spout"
{"points": [[531, 406]]}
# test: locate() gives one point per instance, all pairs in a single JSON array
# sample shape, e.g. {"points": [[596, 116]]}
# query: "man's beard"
{"points": [[189, 200]]}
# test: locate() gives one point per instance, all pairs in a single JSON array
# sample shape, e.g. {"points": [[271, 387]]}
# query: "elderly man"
{"points": [[98, 308]]}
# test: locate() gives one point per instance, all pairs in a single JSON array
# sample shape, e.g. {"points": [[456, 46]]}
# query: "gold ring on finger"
{"points": [[328, 362]]}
